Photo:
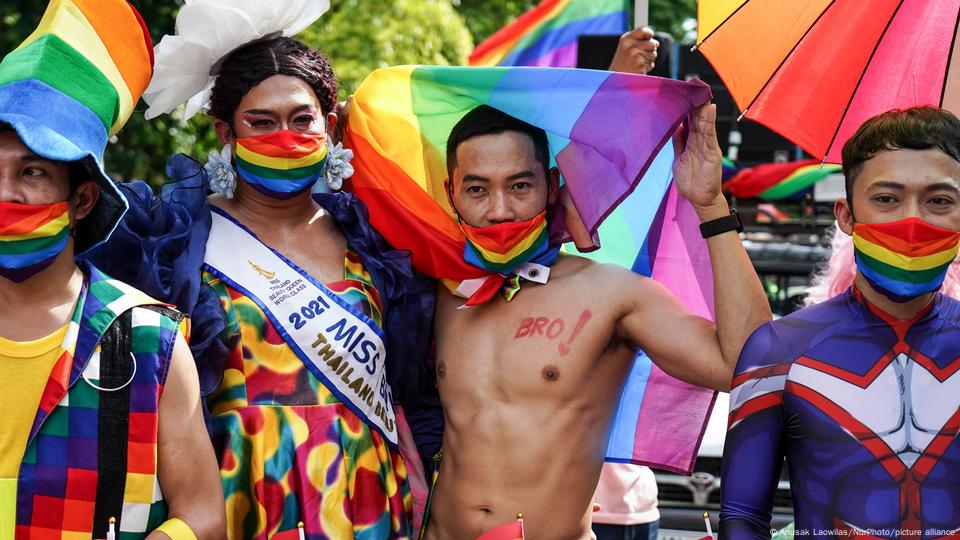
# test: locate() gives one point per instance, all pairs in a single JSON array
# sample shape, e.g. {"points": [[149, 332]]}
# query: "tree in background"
{"points": [[362, 35]]}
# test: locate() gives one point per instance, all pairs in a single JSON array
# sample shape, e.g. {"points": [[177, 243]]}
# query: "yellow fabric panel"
{"points": [[8, 508], [712, 13], [24, 369], [754, 42]]}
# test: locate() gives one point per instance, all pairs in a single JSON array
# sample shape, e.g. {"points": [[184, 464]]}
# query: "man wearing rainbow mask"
{"points": [[101, 431], [862, 391], [529, 382]]}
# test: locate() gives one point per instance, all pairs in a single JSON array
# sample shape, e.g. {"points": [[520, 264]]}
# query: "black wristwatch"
{"points": [[721, 225]]}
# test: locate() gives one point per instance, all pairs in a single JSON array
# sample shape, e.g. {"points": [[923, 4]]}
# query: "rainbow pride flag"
{"points": [[660, 420], [610, 135], [547, 34]]}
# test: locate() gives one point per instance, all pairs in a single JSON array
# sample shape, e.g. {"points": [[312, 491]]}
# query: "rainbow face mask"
{"points": [[283, 163], [31, 237], [904, 259], [504, 247]]}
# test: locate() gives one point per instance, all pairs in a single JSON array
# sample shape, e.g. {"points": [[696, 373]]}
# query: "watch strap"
{"points": [[721, 225]]}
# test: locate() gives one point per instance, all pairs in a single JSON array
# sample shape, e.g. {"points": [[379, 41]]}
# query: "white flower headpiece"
{"points": [[187, 63]]}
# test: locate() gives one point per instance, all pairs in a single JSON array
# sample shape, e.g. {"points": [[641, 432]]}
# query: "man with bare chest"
{"points": [[529, 386]]}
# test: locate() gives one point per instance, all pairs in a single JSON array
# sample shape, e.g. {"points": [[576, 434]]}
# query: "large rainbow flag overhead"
{"points": [[547, 34], [610, 135]]}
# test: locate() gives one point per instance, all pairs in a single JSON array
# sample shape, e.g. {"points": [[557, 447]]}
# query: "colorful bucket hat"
{"points": [[74, 83]]}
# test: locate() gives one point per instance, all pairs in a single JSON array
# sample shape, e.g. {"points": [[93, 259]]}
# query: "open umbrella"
{"points": [[814, 70], [778, 181]]}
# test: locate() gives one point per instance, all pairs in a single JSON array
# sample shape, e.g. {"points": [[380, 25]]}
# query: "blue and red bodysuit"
{"points": [[866, 410]]}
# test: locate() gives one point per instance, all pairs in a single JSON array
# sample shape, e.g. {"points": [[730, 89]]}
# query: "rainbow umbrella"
{"points": [[814, 70], [547, 35], [778, 181]]}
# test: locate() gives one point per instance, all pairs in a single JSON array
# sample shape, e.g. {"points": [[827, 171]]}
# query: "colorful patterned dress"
{"points": [[289, 450]]}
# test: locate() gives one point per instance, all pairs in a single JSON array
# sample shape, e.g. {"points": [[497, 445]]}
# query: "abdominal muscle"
{"points": [[538, 457]]}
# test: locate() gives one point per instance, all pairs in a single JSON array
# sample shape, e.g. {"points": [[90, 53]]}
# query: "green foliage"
{"points": [[668, 15], [485, 17], [362, 35]]}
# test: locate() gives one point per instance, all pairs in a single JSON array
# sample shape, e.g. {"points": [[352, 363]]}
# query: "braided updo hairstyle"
{"points": [[255, 62]]}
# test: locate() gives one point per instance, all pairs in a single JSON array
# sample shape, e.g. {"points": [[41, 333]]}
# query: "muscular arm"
{"points": [[753, 450], [187, 467], [740, 303], [682, 344]]}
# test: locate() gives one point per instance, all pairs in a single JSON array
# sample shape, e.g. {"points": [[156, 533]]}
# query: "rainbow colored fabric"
{"points": [[57, 485], [659, 420], [600, 125], [610, 136], [905, 259], [547, 34], [29, 238], [289, 450], [281, 163], [89, 51]]}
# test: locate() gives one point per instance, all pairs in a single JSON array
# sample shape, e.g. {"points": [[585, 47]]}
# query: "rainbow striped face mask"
{"points": [[503, 247], [283, 163], [31, 237], [904, 259]]}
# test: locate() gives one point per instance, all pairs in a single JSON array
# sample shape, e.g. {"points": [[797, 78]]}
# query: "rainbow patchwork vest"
{"points": [[92, 454]]}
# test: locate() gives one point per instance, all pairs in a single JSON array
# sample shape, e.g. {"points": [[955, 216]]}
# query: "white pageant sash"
{"points": [[341, 347]]}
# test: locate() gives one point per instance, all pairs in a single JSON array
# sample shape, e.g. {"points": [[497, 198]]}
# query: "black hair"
{"points": [[485, 120], [917, 128], [255, 62]]}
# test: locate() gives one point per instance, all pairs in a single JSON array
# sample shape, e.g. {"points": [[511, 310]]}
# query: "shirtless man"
{"points": [[528, 413]]}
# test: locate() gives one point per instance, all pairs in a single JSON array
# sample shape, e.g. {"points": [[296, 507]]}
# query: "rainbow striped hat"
{"points": [[71, 85]]}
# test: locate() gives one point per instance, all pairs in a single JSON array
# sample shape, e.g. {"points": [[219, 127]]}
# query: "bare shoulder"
{"points": [[602, 275]]}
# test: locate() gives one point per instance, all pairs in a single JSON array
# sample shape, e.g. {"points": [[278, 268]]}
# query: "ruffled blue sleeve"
{"points": [[159, 246]]}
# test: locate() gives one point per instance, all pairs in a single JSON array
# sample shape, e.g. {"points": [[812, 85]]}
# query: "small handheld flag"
{"points": [[292, 534], [510, 531]]}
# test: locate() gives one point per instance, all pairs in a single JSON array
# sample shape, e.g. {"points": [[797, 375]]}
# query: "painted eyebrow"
{"points": [[301, 108]]}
